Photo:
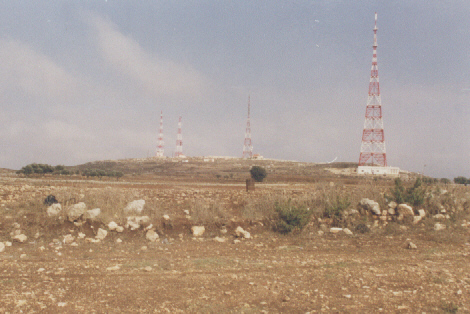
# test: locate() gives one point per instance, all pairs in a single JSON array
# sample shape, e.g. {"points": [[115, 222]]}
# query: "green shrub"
{"points": [[461, 180], [335, 208], [291, 217], [258, 173], [413, 195]]}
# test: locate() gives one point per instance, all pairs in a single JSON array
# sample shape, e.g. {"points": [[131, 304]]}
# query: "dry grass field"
{"points": [[61, 266]]}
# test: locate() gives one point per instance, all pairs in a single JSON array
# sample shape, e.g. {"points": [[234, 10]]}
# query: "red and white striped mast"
{"points": [[160, 143], [373, 141], [247, 146], [179, 141]]}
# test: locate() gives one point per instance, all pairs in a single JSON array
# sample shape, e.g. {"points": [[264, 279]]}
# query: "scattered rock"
{"points": [[417, 219], [148, 268], [220, 239], [54, 210], [151, 235], [422, 212], [2, 247], [166, 217], [81, 235], [118, 240], [134, 222], [392, 205], [347, 231], [405, 210], [74, 212], [371, 206], [412, 246], [101, 234], [20, 238], [92, 213], [439, 216], [438, 227], [112, 226], [240, 233], [113, 268], [68, 239], [135, 207], [335, 230], [198, 231]]}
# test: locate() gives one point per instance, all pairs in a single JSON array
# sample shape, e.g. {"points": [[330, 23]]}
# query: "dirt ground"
{"points": [[307, 272]]}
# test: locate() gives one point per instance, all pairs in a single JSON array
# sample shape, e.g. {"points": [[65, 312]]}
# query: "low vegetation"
{"points": [[258, 173]]}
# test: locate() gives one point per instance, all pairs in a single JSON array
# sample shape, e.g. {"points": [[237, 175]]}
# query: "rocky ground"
{"points": [[59, 263]]}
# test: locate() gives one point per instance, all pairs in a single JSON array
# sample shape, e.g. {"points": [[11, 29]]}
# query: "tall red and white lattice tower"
{"points": [[247, 146], [160, 137], [179, 141], [373, 141]]}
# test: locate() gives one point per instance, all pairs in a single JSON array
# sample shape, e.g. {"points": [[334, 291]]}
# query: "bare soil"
{"points": [[270, 273]]}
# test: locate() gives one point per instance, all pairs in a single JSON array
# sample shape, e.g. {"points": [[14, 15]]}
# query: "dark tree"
{"points": [[258, 173]]}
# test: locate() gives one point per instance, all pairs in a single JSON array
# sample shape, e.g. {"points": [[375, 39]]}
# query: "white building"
{"points": [[374, 170]]}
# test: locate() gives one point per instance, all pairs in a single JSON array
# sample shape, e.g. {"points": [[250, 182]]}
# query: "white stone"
{"points": [[347, 231], [422, 212], [166, 217], [335, 230], [68, 239], [417, 219], [20, 238], [112, 226], [2, 247], [220, 239], [392, 205], [134, 222], [101, 234], [92, 213], [439, 216], [81, 235], [240, 233], [439, 227], [135, 207], [412, 246], [8, 243], [186, 212], [118, 240], [151, 235], [371, 206], [113, 268], [198, 231], [54, 210], [405, 210], [75, 211], [391, 211]]}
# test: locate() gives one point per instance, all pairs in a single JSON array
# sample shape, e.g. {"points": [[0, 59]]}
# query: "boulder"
{"points": [[151, 235], [347, 231], [135, 207], [54, 210], [135, 222], [20, 238], [101, 234], [371, 206], [74, 212], [422, 212], [417, 219], [240, 233], [198, 231], [92, 213], [405, 210]]}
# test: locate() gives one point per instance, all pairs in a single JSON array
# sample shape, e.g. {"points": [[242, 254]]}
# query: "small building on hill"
{"points": [[375, 170]]}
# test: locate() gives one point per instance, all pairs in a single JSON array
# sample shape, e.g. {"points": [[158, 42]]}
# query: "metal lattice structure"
{"points": [[373, 140], [161, 143], [179, 141], [247, 146]]}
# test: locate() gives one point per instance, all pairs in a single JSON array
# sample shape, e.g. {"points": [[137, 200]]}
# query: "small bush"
{"points": [[258, 173], [335, 208], [291, 217], [461, 180], [362, 228], [413, 195]]}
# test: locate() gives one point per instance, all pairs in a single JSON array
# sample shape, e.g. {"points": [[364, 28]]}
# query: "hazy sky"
{"points": [[86, 80]]}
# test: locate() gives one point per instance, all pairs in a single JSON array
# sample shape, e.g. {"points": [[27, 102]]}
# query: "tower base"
{"points": [[382, 171]]}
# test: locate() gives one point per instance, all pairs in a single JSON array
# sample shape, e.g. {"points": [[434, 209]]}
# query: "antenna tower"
{"points": [[179, 141], [373, 141], [247, 146], [160, 138]]}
